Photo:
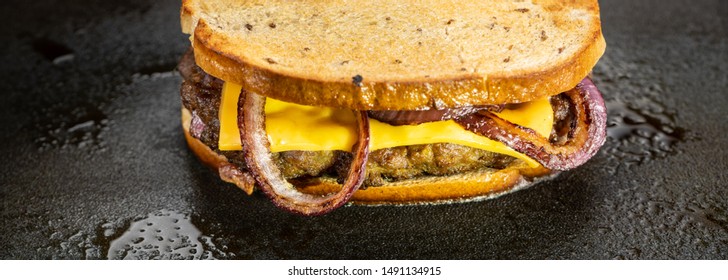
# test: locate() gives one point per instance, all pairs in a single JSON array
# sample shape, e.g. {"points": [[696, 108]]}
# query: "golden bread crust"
{"points": [[383, 57], [436, 189]]}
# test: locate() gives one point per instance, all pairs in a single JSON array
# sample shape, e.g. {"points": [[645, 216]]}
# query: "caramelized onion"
{"points": [[587, 134], [196, 125], [418, 117], [251, 122]]}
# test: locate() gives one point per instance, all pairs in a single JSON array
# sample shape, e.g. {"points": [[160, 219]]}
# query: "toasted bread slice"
{"points": [[397, 55]]}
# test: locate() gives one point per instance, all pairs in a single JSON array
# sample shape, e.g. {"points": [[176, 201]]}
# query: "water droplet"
{"points": [[642, 131], [53, 51], [80, 126], [162, 235], [160, 70], [71, 245]]}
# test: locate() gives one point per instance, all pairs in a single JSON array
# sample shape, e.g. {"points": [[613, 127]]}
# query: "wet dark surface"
{"points": [[94, 164]]}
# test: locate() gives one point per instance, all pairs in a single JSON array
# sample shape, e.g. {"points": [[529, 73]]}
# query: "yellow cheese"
{"points": [[298, 127]]}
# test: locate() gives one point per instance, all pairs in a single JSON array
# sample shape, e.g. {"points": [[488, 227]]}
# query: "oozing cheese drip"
{"points": [[299, 127]]}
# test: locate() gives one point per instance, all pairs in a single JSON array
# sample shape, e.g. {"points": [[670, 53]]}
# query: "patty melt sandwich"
{"points": [[319, 103]]}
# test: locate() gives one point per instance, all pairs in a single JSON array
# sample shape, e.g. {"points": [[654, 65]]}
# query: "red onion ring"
{"points": [[256, 147], [587, 135]]}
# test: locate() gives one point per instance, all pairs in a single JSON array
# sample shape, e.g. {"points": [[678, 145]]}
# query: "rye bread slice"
{"points": [[397, 55]]}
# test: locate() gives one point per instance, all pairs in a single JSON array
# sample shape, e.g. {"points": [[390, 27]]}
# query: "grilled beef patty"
{"points": [[201, 95]]}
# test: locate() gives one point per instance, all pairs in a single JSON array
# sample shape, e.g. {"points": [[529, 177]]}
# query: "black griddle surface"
{"points": [[94, 164]]}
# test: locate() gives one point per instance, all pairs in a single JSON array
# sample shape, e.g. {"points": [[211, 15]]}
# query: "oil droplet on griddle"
{"points": [[80, 126], [160, 70], [642, 130], [53, 51], [162, 235]]}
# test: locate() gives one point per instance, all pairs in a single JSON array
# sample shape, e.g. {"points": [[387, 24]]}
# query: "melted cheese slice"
{"points": [[299, 127]]}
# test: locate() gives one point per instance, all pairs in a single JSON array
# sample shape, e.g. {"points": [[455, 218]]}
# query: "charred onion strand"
{"points": [[418, 117], [251, 122], [587, 134]]}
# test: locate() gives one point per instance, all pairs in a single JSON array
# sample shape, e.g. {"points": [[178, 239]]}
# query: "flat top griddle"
{"points": [[94, 164]]}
